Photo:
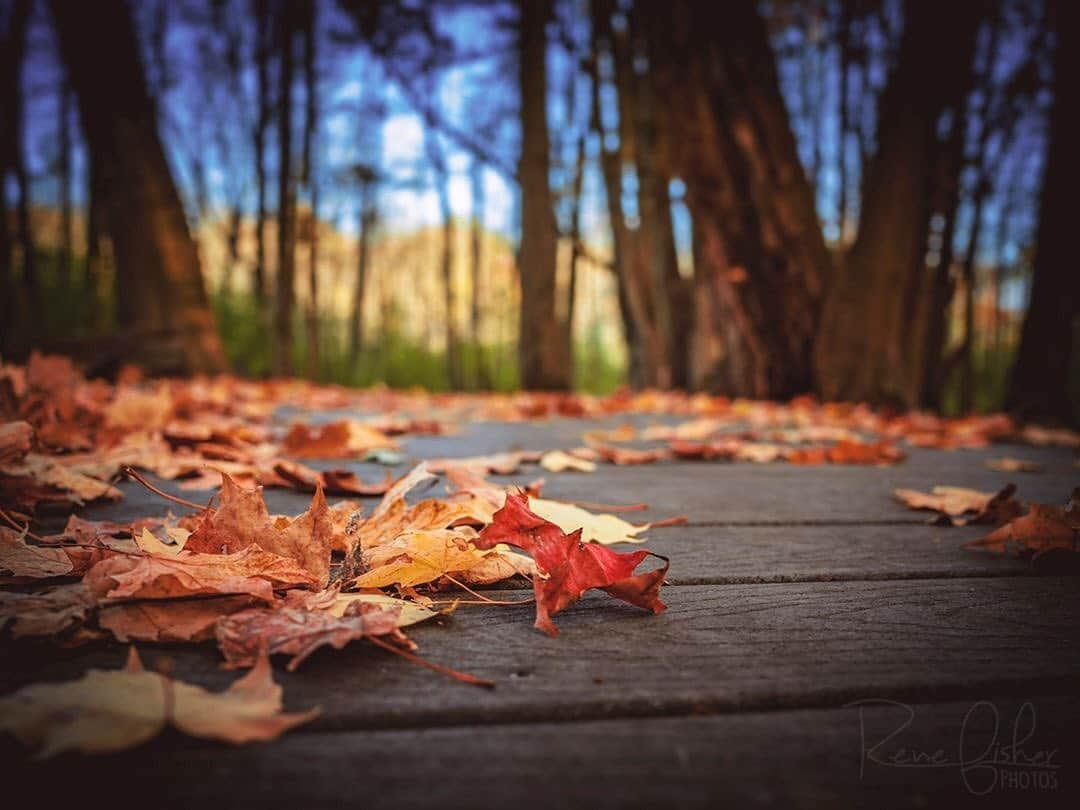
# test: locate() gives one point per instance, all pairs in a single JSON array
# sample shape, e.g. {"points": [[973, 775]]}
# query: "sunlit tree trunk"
{"points": [[871, 342], [166, 303], [542, 339], [1039, 388]]}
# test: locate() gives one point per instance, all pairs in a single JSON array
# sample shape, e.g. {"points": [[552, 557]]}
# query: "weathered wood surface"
{"points": [[716, 648], [794, 590], [841, 757]]}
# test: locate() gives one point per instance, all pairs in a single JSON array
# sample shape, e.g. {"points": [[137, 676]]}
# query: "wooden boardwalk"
{"points": [[822, 646]]}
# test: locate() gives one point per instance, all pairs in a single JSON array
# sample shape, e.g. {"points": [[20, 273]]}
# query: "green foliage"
{"points": [[392, 358]]}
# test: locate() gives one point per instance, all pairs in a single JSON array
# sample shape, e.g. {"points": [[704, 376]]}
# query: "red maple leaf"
{"points": [[569, 567]]}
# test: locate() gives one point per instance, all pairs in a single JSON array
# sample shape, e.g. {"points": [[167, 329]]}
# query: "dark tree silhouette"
{"points": [[162, 299]]}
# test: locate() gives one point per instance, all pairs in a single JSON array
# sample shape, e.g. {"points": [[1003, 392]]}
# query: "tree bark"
{"points": [[1039, 388], [764, 260], [311, 132], [542, 339], [155, 253], [262, 122], [285, 294], [870, 346], [67, 253]]}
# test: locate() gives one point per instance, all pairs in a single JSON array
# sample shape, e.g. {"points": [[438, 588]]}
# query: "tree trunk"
{"points": [[284, 299], [12, 52], [262, 122], [67, 253], [871, 342], [764, 258], [311, 133], [542, 339], [155, 253], [1039, 388], [648, 362]]}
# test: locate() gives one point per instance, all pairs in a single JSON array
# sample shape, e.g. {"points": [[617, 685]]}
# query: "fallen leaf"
{"points": [[567, 567], [251, 571], [21, 560], [1043, 528], [111, 710], [1008, 464], [175, 620], [242, 519], [298, 632], [418, 557], [604, 529], [48, 613], [951, 501], [346, 438], [16, 439], [558, 461]]}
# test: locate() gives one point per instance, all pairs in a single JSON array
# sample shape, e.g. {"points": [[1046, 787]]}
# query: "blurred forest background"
{"points": [[865, 199]]}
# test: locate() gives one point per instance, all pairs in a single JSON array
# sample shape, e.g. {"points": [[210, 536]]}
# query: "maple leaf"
{"points": [[1043, 528], [15, 441], [22, 561], [952, 502], [174, 620], [558, 461], [567, 567], [419, 557], [50, 612], [299, 632], [252, 571], [346, 438], [242, 520], [111, 710]]}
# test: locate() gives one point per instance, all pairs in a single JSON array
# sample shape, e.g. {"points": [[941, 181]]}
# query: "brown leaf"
{"points": [[242, 520], [176, 620], [1043, 528], [251, 571], [951, 501], [48, 613], [117, 709], [346, 438], [298, 632], [23, 561], [15, 441]]}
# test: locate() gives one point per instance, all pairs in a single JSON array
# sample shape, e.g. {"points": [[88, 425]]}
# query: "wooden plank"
{"points": [[746, 554], [717, 492], [830, 758], [726, 648]]}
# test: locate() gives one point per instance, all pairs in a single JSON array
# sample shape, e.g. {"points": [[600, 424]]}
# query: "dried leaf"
{"points": [[242, 520], [176, 620], [558, 461], [569, 567], [113, 710], [21, 560], [1008, 464], [1043, 528], [48, 613], [951, 501], [346, 438], [252, 571], [298, 632]]}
